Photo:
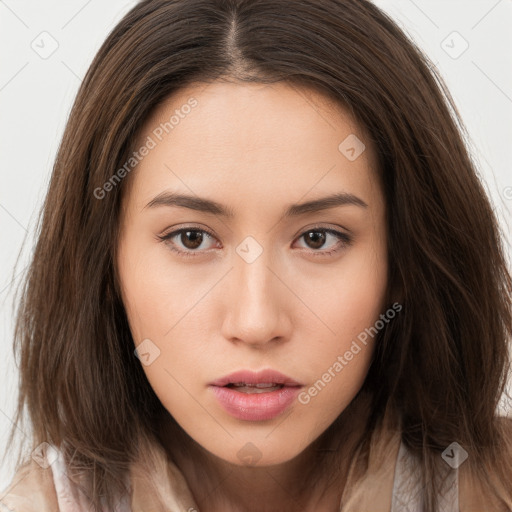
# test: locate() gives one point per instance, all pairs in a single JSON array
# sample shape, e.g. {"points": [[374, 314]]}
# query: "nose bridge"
{"points": [[254, 312]]}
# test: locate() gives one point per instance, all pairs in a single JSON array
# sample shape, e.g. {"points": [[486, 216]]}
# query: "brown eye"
{"points": [[315, 239], [187, 241], [191, 239]]}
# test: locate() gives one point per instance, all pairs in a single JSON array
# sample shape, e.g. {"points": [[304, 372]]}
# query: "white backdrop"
{"points": [[47, 46]]}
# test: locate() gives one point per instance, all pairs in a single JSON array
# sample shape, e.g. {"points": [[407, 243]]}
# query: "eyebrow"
{"points": [[208, 206]]}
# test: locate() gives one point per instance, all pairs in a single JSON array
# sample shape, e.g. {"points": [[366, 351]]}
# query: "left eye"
{"points": [[192, 239], [317, 237]]}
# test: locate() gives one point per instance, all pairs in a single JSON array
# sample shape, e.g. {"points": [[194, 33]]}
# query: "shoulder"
{"points": [[41, 484], [31, 490], [475, 493]]}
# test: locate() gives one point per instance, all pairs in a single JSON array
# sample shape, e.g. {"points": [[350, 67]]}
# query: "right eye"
{"points": [[191, 240]]}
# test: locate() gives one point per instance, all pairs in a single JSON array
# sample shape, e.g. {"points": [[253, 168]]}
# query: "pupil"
{"points": [[318, 241], [196, 236]]}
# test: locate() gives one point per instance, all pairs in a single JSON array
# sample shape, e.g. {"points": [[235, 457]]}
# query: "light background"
{"points": [[36, 95]]}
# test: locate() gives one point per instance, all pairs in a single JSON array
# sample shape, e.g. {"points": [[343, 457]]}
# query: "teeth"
{"points": [[259, 385], [255, 388]]}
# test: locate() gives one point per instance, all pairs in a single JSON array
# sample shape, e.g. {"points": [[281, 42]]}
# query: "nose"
{"points": [[256, 308]]}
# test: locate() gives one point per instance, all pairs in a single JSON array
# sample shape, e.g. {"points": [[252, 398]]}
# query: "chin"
{"points": [[250, 451]]}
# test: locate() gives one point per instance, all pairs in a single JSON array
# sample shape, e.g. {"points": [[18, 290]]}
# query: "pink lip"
{"points": [[255, 406]]}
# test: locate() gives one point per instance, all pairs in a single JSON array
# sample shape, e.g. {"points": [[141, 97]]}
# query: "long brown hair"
{"points": [[441, 364]]}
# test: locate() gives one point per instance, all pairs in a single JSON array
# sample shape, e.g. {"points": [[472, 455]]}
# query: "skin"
{"points": [[256, 149]]}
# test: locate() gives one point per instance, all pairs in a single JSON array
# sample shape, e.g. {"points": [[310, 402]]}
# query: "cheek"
{"points": [[351, 305], [163, 303], [156, 294], [347, 300], [338, 368]]}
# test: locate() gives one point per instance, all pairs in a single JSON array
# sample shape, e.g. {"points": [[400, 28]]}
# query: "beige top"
{"points": [[389, 486]]}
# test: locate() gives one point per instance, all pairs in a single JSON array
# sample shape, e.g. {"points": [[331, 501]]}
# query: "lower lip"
{"points": [[256, 406]]}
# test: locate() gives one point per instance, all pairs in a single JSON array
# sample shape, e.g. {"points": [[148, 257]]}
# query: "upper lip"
{"points": [[251, 377]]}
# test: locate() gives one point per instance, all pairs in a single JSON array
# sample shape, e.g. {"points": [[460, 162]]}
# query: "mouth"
{"points": [[246, 380], [262, 387], [255, 396]]}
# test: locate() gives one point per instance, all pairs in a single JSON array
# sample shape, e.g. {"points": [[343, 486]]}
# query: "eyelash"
{"points": [[345, 239]]}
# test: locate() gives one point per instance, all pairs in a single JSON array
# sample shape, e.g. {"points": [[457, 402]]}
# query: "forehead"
{"points": [[260, 108], [253, 135]]}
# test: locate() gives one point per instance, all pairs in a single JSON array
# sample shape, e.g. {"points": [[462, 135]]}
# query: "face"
{"points": [[243, 275]]}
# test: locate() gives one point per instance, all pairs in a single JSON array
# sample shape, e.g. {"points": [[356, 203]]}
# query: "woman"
{"points": [[267, 276]]}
